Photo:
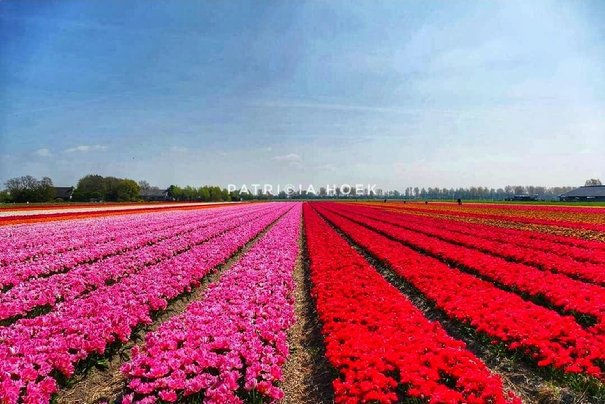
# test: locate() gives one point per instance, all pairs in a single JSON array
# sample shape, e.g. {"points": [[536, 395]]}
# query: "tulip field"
{"points": [[401, 302]]}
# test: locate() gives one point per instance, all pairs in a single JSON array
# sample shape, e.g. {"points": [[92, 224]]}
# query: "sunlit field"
{"points": [[332, 301]]}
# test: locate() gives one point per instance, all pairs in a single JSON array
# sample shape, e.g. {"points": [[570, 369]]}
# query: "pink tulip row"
{"points": [[24, 235], [37, 241], [27, 238], [31, 350], [38, 292], [20, 272], [83, 233], [233, 340], [30, 241]]}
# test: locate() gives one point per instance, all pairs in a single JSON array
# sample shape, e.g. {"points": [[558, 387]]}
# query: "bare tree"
{"points": [[593, 182]]}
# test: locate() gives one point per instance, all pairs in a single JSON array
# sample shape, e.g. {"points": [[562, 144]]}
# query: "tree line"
{"points": [[97, 188], [479, 193], [28, 189], [203, 194]]}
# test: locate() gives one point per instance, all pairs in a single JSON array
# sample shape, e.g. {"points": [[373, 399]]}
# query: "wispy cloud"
{"points": [[86, 148], [44, 152], [333, 107], [291, 159], [336, 107], [326, 167], [179, 149]]}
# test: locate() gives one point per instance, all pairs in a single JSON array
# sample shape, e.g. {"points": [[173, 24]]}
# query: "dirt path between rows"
{"points": [[307, 376]]}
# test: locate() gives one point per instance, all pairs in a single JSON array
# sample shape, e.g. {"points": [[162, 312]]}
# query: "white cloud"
{"points": [[44, 152], [178, 149], [326, 167], [288, 158], [86, 148]]}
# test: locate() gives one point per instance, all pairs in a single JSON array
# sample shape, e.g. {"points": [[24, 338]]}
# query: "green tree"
{"points": [[204, 194], [30, 189], [111, 189], [90, 187], [127, 190]]}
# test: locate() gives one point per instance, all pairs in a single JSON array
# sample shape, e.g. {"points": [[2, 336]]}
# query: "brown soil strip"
{"points": [[105, 382], [518, 375], [307, 373]]}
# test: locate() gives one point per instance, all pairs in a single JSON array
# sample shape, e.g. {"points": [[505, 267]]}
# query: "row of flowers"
{"points": [[528, 243], [84, 278], [594, 222], [233, 339], [55, 218], [43, 244], [25, 237], [553, 213], [568, 236], [378, 341], [44, 240], [558, 290], [544, 335], [33, 350]]}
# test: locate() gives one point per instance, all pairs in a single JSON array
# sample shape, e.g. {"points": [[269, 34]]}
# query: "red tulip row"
{"points": [[558, 341], [548, 257], [378, 341], [528, 243], [519, 219], [33, 351], [82, 279], [559, 290]]}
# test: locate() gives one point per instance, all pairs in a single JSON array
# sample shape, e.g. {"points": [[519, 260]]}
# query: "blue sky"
{"points": [[398, 93]]}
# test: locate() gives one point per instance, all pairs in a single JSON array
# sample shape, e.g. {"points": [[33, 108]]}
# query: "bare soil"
{"points": [[307, 373]]}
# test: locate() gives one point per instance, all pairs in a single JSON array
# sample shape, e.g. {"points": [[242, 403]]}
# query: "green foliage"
{"points": [[4, 197], [30, 189], [90, 187], [110, 189], [202, 194]]}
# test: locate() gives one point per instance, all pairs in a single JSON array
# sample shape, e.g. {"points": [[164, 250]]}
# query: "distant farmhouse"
{"points": [[154, 194], [593, 190], [63, 193], [585, 194]]}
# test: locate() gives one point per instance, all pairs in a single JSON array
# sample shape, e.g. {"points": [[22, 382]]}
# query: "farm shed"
{"points": [[154, 194], [63, 193], [586, 193]]}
